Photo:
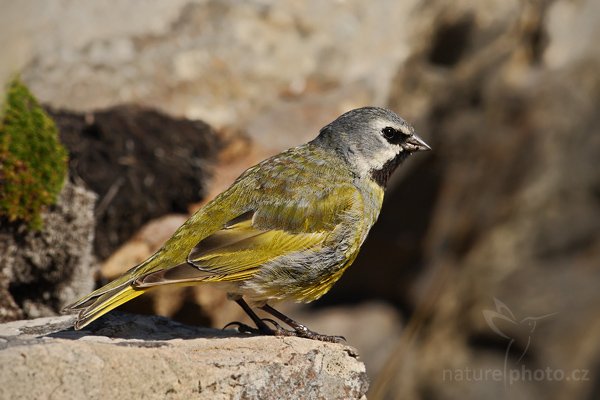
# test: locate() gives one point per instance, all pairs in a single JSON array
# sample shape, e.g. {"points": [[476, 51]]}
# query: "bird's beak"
{"points": [[415, 143]]}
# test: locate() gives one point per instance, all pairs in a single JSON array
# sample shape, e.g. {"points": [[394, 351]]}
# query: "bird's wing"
{"points": [[236, 251], [271, 229]]}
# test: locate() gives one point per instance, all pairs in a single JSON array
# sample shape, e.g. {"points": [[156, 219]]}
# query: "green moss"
{"points": [[33, 163]]}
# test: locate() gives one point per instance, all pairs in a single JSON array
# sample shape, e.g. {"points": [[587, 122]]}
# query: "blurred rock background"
{"points": [[506, 207]]}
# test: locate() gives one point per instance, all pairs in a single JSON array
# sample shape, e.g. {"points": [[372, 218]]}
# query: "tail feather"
{"points": [[130, 285], [104, 299], [87, 300], [106, 303]]}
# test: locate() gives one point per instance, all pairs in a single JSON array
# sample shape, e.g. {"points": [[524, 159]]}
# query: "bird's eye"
{"points": [[389, 132]]}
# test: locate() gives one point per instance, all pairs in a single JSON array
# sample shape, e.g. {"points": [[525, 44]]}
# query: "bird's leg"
{"points": [[260, 323], [299, 329]]}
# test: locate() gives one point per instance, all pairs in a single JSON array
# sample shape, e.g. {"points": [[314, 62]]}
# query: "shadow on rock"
{"points": [[118, 325]]}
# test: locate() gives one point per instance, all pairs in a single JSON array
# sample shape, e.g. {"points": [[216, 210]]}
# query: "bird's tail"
{"points": [[108, 297]]}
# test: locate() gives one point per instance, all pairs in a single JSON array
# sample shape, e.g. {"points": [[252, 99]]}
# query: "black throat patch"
{"points": [[381, 176]]}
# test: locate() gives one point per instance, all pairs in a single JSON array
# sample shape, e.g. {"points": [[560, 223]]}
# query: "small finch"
{"points": [[286, 229]]}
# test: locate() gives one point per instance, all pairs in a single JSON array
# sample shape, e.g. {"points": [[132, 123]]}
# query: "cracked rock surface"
{"points": [[130, 356], [41, 272]]}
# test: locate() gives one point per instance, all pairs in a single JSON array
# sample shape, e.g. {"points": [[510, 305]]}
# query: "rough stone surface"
{"points": [[41, 272], [125, 356], [373, 328], [220, 61]]}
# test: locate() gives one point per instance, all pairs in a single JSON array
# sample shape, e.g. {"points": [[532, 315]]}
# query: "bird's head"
{"points": [[372, 140]]}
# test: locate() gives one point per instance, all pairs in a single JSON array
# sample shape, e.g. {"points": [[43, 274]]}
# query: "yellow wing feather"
{"points": [[234, 253], [253, 251]]}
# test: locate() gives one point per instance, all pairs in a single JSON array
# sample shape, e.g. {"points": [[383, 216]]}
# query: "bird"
{"points": [[285, 230]]}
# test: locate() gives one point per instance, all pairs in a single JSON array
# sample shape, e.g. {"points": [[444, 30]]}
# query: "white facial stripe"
{"points": [[386, 153], [389, 151]]}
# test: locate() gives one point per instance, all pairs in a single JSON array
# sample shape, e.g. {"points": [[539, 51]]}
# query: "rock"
{"points": [[373, 328], [125, 356], [41, 272], [180, 58], [131, 157]]}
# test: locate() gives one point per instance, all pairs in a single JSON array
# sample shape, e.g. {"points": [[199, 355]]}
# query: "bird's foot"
{"points": [[298, 330], [263, 328], [304, 332], [278, 330], [242, 328]]}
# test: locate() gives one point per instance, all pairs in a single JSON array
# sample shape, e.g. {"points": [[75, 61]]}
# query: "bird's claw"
{"points": [[317, 336], [278, 330], [242, 328], [264, 329], [306, 333]]}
